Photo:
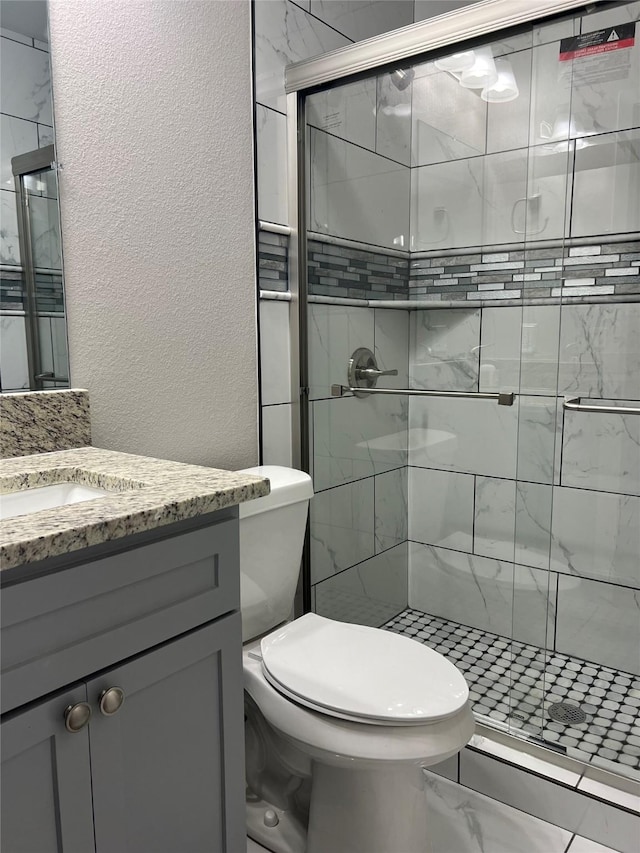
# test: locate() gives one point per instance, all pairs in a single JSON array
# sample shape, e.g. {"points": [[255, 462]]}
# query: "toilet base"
{"points": [[373, 810], [352, 811], [288, 835]]}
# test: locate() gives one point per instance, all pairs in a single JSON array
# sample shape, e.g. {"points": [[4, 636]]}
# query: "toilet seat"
{"points": [[361, 674]]}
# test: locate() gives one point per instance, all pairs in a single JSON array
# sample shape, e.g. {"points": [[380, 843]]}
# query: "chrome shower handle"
{"points": [[373, 373], [363, 370]]}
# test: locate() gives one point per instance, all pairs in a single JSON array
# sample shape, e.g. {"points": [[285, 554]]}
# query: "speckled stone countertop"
{"points": [[147, 493], [44, 421]]}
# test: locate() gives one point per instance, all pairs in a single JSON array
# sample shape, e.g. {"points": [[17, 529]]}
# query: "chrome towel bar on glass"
{"points": [[503, 398], [575, 404], [363, 374]]}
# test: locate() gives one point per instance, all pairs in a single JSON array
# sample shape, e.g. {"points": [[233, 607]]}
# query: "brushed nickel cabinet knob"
{"points": [[111, 701], [77, 716]]}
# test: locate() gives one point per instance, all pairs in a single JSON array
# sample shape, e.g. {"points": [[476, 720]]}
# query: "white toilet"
{"points": [[340, 719]]}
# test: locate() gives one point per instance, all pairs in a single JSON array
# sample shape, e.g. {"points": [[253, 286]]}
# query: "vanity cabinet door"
{"points": [[46, 779], [168, 764]]}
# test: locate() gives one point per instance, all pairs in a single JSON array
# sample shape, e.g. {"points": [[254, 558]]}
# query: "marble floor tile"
{"points": [[583, 845], [464, 821]]}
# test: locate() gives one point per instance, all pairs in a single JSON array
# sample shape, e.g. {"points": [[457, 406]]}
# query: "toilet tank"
{"points": [[271, 541]]}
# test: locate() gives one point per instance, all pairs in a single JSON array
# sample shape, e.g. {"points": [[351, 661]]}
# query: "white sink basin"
{"points": [[46, 497]]}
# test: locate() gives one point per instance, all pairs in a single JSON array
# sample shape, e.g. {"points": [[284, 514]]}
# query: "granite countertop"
{"points": [[146, 493]]}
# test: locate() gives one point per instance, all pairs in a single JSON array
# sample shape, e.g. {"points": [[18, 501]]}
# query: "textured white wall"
{"points": [[152, 103]]}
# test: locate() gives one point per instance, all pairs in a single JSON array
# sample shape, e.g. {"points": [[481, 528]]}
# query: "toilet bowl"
{"points": [[340, 719]]}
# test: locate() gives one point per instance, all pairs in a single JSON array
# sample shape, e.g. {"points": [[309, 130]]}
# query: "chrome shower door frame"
{"points": [[408, 43], [302, 78]]}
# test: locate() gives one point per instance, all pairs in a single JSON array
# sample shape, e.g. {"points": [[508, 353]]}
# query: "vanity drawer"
{"points": [[59, 628]]}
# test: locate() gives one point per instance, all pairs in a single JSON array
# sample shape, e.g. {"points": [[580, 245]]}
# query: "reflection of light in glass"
{"points": [[482, 73], [505, 88], [559, 136], [399, 110], [456, 62]]}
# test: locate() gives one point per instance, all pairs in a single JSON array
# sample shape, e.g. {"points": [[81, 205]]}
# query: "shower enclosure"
{"points": [[469, 221], [33, 346]]}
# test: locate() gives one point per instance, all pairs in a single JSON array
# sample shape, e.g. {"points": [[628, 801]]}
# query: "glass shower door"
{"points": [[592, 696], [485, 240]]}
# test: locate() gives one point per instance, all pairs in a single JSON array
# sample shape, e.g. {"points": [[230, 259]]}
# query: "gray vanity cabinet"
{"points": [[159, 766], [46, 781]]}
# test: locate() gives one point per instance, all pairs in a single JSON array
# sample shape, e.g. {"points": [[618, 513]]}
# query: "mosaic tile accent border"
{"points": [[49, 291], [356, 273], [561, 272], [604, 269], [517, 683], [273, 261]]}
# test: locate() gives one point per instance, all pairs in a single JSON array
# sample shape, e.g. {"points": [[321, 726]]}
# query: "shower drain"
{"points": [[565, 712]]}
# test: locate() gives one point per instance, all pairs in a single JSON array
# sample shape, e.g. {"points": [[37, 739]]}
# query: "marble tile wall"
{"points": [[490, 492], [525, 520], [496, 173], [357, 194], [285, 32], [26, 122], [359, 458], [366, 592]]}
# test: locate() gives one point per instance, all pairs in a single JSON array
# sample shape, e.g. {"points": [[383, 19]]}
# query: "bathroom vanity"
{"points": [[122, 726]]}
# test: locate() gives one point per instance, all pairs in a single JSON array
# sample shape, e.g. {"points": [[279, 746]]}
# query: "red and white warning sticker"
{"points": [[601, 57], [597, 42]]}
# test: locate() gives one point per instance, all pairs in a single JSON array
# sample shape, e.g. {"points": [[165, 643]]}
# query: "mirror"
{"points": [[33, 337]]}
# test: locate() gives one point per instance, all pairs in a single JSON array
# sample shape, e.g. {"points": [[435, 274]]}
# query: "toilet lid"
{"points": [[361, 673]]}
